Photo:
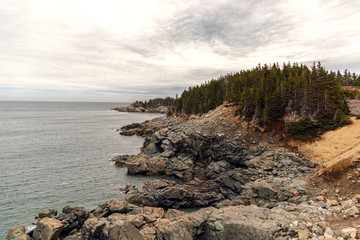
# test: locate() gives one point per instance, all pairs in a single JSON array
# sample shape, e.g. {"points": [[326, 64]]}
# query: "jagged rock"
{"points": [[172, 213], [146, 165], [244, 222], [51, 213], [72, 218], [347, 204], [187, 226], [349, 232], [352, 211], [48, 229], [112, 206], [93, 228], [164, 193], [17, 233]]}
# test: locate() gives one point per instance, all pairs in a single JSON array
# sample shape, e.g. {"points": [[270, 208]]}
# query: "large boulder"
{"points": [[185, 226], [245, 222], [48, 229], [17, 233]]}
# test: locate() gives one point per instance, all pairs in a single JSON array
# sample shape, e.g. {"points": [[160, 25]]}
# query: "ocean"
{"points": [[56, 154]]}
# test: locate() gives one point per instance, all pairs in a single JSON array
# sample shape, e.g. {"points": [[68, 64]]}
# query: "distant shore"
{"points": [[159, 109]]}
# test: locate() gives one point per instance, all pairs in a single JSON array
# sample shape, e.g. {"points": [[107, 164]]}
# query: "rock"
{"points": [[124, 227], [154, 212], [313, 163], [329, 231], [51, 213], [48, 229], [333, 203], [336, 209], [17, 233], [303, 234], [320, 198], [349, 232], [186, 226], [93, 228], [352, 211], [328, 236], [357, 197], [321, 204], [347, 204], [72, 218], [168, 194], [112, 206], [172, 213], [243, 222]]}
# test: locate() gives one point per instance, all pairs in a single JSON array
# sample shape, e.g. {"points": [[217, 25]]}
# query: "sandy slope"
{"points": [[334, 146]]}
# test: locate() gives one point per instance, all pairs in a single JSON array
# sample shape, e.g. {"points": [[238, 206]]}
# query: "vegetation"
{"points": [[268, 93], [348, 78], [156, 102]]}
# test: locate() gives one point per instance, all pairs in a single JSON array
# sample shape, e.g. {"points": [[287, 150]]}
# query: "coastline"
{"points": [[244, 182]]}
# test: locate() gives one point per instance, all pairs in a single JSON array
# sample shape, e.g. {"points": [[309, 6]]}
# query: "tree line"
{"points": [[268, 93]]}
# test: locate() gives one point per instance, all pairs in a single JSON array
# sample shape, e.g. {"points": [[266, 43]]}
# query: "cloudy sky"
{"points": [[117, 50]]}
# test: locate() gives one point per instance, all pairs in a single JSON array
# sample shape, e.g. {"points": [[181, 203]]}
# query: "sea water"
{"points": [[56, 154]]}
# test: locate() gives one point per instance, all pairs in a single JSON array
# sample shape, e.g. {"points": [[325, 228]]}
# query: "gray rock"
{"points": [[352, 211]]}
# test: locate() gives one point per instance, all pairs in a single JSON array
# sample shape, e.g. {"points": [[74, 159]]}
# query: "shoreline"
{"points": [[244, 188]]}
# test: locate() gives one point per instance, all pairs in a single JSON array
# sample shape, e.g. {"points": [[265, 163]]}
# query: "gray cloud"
{"points": [[182, 45]]}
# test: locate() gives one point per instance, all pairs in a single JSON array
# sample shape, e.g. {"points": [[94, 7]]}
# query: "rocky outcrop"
{"points": [[17, 233], [72, 218], [159, 109], [48, 229], [168, 194]]}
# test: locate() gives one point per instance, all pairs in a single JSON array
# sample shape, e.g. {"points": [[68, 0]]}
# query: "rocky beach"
{"points": [[223, 178]]}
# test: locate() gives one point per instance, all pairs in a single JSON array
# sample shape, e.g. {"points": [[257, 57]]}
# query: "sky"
{"points": [[117, 50]]}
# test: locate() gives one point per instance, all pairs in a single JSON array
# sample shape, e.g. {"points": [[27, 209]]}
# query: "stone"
{"points": [[17, 233], [336, 209], [112, 206], [329, 231], [51, 213], [333, 203], [347, 204], [349, 232], [172, 213], [328, 236], [244, 222], [48, 229], [93, 228], [73, 218], [351, 211], [303, 234], [320, 198], [357, 197]]}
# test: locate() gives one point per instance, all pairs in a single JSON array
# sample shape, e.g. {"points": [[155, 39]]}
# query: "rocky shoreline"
{"points": [[159, 109], [225, 179]]}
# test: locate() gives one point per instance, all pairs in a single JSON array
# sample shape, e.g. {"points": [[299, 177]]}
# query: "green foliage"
{"points": [[266, 93], [156, 102], [351, 94], [303, 128]]}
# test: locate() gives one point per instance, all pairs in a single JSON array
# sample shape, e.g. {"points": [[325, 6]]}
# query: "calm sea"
{"points": [[54, 154]]}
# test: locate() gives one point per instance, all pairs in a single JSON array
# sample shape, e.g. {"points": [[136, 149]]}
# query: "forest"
{"points": [[268, 94]]}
